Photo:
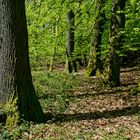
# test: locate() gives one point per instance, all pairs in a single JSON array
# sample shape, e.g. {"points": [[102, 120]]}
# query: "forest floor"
{"points": [[91, 111]]}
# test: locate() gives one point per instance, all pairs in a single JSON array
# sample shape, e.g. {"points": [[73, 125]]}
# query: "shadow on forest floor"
{"points": [[60, 118], [98, 93]]}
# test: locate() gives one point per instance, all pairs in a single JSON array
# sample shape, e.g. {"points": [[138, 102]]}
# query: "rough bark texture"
{"points": [[16, 88], [70, 63], [116, 39], [95, 64]]}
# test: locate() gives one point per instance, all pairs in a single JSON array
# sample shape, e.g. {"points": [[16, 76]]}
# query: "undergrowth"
{"points": [[52, 89]]}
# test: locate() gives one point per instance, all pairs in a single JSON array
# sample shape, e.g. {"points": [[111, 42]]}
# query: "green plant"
{"points": [[52, 89]]}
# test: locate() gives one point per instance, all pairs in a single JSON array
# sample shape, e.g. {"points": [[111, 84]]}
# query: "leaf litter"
{"points": [[96, 112]]}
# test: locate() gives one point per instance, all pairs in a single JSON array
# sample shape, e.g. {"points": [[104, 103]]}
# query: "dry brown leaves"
{"points": [[97, 112]]}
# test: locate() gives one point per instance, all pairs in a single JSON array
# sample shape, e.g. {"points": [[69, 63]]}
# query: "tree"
{"points": [[70, 64], [95, 64], [116, 41], [132, 34], [16, 87], [55, 30], [42, 16]]}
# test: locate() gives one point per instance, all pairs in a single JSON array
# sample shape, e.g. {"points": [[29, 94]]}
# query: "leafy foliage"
{"points": [[74, 100], [45, 17]]}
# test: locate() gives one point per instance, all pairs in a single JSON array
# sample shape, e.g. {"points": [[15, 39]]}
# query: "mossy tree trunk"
{"points": [[55, 31], [95, 64], [116, 40], [17, 93], [70, 62]]}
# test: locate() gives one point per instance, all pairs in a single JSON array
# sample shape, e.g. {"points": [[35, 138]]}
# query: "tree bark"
{"points": [[70, 63], [16, 88], [116, 40], [95, 64], [55, 31]]}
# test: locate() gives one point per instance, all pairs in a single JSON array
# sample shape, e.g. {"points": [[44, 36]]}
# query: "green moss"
{"points": [[89, 71], [139, 86], [11, 110], [98, 73]]}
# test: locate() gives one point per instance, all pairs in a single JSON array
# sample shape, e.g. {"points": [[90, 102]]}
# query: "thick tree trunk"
{"points": [[16, 88], [95, 64], [116, 39], [70, 63]]}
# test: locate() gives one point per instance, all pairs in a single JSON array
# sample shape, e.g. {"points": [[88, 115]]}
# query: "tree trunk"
{"points": [[70, 63], [16, 88], [95, 64], [56, 30], [116, 40]]}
